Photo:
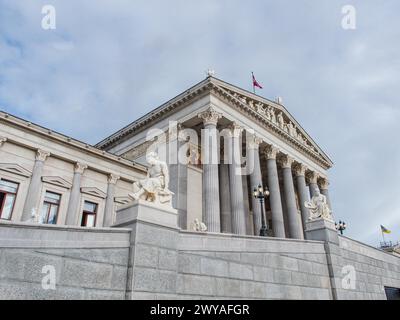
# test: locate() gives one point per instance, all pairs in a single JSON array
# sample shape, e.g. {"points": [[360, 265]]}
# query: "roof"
{"points": [[51, 134], [234, 95]]}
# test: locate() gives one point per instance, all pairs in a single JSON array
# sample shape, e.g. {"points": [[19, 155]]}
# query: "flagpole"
{"points": [[252, 81]]}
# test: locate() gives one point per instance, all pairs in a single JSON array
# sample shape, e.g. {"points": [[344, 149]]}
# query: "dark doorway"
{"points": [[392, 293]]}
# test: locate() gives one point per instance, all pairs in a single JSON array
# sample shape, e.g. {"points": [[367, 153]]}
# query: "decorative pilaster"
{"points": [[290, 197], [255, 179], [210, 157], [312, 177], [235, 180], [275, 195], [109, 206], [33, 195], [73, 204], [303, 193], [177, 145], [324, 184]]}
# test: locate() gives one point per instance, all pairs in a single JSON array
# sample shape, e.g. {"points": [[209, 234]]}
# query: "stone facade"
{"points": [[143, 259], [39, 160], [241, 138], [127, 249]]}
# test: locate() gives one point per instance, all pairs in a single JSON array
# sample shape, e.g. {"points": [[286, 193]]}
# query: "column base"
{"points": [[146, 211], [322, 230]]}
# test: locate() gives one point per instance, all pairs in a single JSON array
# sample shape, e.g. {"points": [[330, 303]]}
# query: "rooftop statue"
{"points": [[318, 206], [155, 187]]}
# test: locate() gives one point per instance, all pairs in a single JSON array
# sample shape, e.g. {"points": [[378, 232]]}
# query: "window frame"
{"points": [[50, 205], [5, 198], [86, 213]]}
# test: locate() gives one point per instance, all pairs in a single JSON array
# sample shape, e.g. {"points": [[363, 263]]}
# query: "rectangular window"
{"points": [[8, 193], [89, 214], [50, 208]]}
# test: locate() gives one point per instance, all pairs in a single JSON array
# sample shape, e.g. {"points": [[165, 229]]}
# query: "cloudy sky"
{"points": [[109, 62]]}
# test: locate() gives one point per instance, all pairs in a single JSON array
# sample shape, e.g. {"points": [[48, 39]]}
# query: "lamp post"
{"points": [[341, 226], [260, 193]]}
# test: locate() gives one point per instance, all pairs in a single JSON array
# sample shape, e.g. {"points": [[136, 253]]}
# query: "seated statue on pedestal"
{"points": [[155, 187], [318, 206]]}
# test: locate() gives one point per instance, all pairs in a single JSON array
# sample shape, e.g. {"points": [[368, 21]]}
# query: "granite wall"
{"points": [[87, 263], [151, 261]]}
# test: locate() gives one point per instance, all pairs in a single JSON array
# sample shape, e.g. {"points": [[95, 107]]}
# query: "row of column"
{"points": [[232, 200], [33, 194]]}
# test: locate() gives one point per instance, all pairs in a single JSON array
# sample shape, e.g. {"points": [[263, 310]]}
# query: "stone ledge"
{"points": [[141, 210]]}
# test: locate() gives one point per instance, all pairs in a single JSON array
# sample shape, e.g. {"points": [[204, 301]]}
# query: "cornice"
{"points": [[254, 106], [11, 120], [254, 114], [158, 114]]}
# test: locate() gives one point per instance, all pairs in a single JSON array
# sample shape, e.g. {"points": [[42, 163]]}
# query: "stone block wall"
{"points": [[373, 270], [88, 263], [145, 260]]}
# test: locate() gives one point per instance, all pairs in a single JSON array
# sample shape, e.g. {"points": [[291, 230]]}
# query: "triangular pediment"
{"points": [[94, 192], [274, 115], [15, 169], [58, 181], [270, 114]]}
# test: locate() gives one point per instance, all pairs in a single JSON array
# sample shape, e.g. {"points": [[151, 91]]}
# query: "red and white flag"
{"points": [[255, 83]]}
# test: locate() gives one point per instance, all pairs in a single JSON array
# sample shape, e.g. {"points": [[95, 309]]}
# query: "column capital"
{"points": [[300, 169], [112, 178], [80, 167], [323, 182], [235, 130], [254, 142], [271, 152], [210, 116], [312, 176], [286, 161], [41, 155]]}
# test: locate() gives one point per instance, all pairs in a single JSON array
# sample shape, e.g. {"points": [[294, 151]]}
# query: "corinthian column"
{"points": [[275, 195], [255, 179], [109, 207], [73, 203], [210, 159], [32, 198], [312, 178], [290, 198], [324, 184], [235, 180], [300, 171]]}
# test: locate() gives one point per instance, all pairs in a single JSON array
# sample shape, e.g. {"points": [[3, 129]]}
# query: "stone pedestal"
{"points": [[146, 212], [322, 230]]}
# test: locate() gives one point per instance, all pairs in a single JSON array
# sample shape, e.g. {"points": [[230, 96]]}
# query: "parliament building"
{"points": [[241, 209]]}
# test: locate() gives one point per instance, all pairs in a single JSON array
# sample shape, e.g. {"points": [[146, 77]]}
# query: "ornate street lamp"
{"points": [[260, 193], [341, 226]]}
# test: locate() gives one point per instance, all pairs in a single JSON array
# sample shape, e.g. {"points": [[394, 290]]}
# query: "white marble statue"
{"points": [[318, 206], [281, 122], [199, 226], [155, 187]]}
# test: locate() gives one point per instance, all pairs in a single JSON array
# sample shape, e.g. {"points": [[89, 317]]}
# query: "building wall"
{"points": [[373, 270], [171, 263], [20, 141], [88, 263], [151, 261]]}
